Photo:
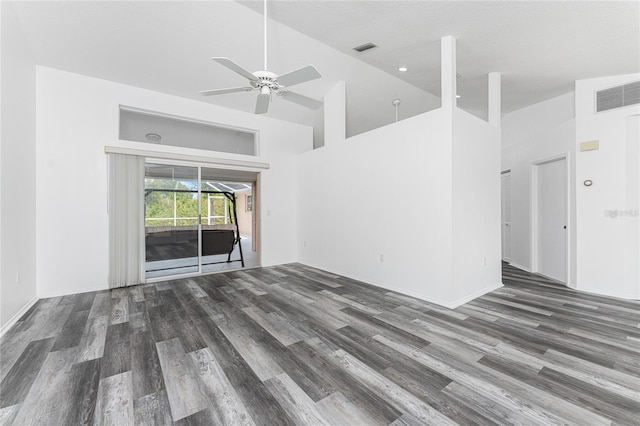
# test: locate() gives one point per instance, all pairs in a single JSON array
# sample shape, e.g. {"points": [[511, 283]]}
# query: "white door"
{"points": [[506, 216], [552, 219]]}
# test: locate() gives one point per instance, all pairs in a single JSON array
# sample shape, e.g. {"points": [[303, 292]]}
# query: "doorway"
{"points": [[197, 220], [550, 218], [506, 215]]}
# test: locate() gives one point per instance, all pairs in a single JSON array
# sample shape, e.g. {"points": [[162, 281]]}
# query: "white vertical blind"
{"points": [[126, 220]]}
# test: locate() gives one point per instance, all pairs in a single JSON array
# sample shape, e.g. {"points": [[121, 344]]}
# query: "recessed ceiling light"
{"points": [[403, 69], [458, 96]]}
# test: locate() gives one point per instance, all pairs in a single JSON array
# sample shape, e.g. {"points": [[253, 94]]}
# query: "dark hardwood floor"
{"points": [[295, 345]]}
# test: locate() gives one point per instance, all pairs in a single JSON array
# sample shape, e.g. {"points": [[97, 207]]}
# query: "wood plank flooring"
{"points": [[295, 345]]}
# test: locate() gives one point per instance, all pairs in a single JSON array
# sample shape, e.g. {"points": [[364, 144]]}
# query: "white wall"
{"points": [[77, 117], [477, 265], [607, 211], [358, 199], [529, 135], [18, 171], [632, 235], [603, 220], [404, 192]]}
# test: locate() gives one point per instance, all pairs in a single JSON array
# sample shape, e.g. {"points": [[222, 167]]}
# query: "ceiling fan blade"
{"points": [[235, 68], [223, 91], [301, 100], [298, 76], [262, 104]]}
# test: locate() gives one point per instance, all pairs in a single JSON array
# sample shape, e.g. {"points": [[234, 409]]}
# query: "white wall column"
{"points": [[18, 164], [495, 98], [448, 72], [335, 116]]}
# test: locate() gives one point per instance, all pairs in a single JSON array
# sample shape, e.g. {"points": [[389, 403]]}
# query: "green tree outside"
{"points": [[159, 205]]}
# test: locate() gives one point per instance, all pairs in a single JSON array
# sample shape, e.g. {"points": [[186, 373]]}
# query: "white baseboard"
{"points": [[47, 294], [421, 296], [524, 268], [605, 293], [474, 295], [14, 319]]}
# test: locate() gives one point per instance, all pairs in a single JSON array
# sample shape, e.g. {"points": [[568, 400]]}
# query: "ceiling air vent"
{"points": [[618, 97], [364, 47]]}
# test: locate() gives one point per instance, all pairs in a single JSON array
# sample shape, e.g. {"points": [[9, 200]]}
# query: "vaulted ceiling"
{"points": [[541, 47]]}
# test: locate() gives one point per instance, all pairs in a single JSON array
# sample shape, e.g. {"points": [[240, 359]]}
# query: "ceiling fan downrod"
{"points": [[269, 83], [265, 35]]}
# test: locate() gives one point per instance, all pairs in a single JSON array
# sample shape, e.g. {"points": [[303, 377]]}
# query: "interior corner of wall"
{"points": [[469, 297], [5, 326]]}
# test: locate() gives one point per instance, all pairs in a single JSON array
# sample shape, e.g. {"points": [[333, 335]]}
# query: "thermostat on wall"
{"points": [[590, 145]]}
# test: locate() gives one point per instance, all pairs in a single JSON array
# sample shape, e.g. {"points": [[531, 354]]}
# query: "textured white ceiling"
{"points": [[166, 46], [541, 47]]}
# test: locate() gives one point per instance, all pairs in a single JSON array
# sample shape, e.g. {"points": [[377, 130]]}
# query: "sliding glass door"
{"points": [[222, 242], [196, 220], [172, 210]]}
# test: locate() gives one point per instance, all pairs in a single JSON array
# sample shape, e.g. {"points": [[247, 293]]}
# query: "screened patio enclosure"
{"points": [[197, 219]]}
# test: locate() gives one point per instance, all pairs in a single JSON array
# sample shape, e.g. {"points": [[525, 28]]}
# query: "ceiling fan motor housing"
{"points": [[266, 79]]}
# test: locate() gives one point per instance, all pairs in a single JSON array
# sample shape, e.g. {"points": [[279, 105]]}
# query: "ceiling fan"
{"points": [[268, 83]]}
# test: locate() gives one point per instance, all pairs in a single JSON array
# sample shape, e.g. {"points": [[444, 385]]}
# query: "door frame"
{"points": [[199, 165], [566, 156], [502, 222]]}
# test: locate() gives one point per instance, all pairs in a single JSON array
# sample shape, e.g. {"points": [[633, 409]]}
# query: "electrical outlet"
{"points": [[484, 261], [17, 277], [382, 258]]}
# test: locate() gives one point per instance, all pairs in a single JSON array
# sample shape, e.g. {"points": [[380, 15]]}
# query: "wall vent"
{"points": [[364, 47], [618, 97]]}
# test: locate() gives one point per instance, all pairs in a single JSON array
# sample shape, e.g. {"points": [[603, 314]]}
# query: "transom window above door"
{"points": [[159, 129]]}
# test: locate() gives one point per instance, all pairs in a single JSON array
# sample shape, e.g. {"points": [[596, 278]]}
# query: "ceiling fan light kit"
{"points": [[268, 83]]}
